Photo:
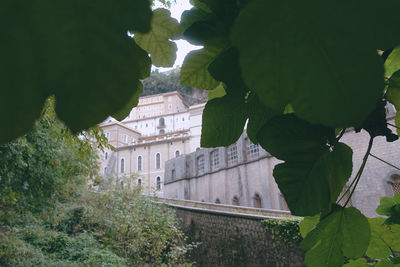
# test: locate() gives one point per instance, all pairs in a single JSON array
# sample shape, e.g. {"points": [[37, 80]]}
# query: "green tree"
{"points": [[49, 217], [43, 166], [159, 82]]}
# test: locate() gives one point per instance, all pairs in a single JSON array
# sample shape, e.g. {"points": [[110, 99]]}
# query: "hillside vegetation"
{"points": [[49, 217], [164, 82]]}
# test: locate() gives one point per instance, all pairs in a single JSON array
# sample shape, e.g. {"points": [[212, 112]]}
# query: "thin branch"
{"points": [[341, 134], [388, 123], [372, 155], [360, 171], [348, 189]]}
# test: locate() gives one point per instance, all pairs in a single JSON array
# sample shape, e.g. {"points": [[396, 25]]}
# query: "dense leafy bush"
{"points": [[48, 217], [286, 230], [43, 167]]}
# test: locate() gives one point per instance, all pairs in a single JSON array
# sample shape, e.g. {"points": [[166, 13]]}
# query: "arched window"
{"points": [[217, 201], [235, 201], [139, 181], [108, 136], [158, 161], [158, 183], [257, 201], [162, 131], [161, 122], [122, 165], [395, 183], [139, 163], [177, 153], [106, 155], [105, 170]]}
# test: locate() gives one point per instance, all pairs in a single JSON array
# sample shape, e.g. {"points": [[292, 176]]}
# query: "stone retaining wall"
{"points": [[234, 239]]}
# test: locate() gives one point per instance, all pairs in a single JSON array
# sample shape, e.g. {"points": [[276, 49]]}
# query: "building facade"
{"points": [[160, 128], [242, 174]]}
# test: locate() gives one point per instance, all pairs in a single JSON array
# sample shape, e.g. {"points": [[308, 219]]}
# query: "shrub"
{"points": [[49, 218], [286, 230]]}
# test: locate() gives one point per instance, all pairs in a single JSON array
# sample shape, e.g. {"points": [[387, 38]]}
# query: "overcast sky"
{"points": [[183, 46]]}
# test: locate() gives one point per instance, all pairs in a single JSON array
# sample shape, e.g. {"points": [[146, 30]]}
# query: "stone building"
{"points": [[234, 175], [241, 174], [160, 128]]}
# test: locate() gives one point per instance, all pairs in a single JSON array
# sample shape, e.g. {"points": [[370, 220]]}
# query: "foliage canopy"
{"points": [[333, 64]]}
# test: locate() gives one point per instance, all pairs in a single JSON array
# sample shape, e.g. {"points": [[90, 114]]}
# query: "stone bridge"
{"points": [[233, 235]]}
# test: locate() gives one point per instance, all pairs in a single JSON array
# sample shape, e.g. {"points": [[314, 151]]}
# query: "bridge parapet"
{"points": [[232, 210]]}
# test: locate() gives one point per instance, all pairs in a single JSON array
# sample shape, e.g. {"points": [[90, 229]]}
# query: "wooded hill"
{"points": [[163, 82]]}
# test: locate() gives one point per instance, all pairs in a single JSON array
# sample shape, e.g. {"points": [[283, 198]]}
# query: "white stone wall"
{"points": [[244, 179], [250, 176], [374, 182], [196, 118]]}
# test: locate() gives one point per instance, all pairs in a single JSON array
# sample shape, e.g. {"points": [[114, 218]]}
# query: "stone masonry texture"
{"points": [[235, 240]]}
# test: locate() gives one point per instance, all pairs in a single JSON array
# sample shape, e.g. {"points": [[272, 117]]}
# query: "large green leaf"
{"points": [[361, 262], [390, 207], [397, 122], [219, 91], [200, 5], [126, 110], [376, 124], [392, 63], [309, 187], [194, 70], [386, 204], [344, 232], [210, 32], [314, 173], [308, 224], [226, 10], [157, 41], [223, 121], [384, 263], [225, 67], [259, 115], [77, 51], [289, 138], [292, 52], [191, 16], [393, 91], [384, 239]]}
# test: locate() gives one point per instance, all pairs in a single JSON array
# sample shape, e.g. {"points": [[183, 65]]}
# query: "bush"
{"points": [[132, 226], [15, 252], [48, 217], [286, 230]]}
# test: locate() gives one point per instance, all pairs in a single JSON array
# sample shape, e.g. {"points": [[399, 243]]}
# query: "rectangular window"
{"points": [[214, 160], [253, 150], [232, 154], [200, 165]]}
